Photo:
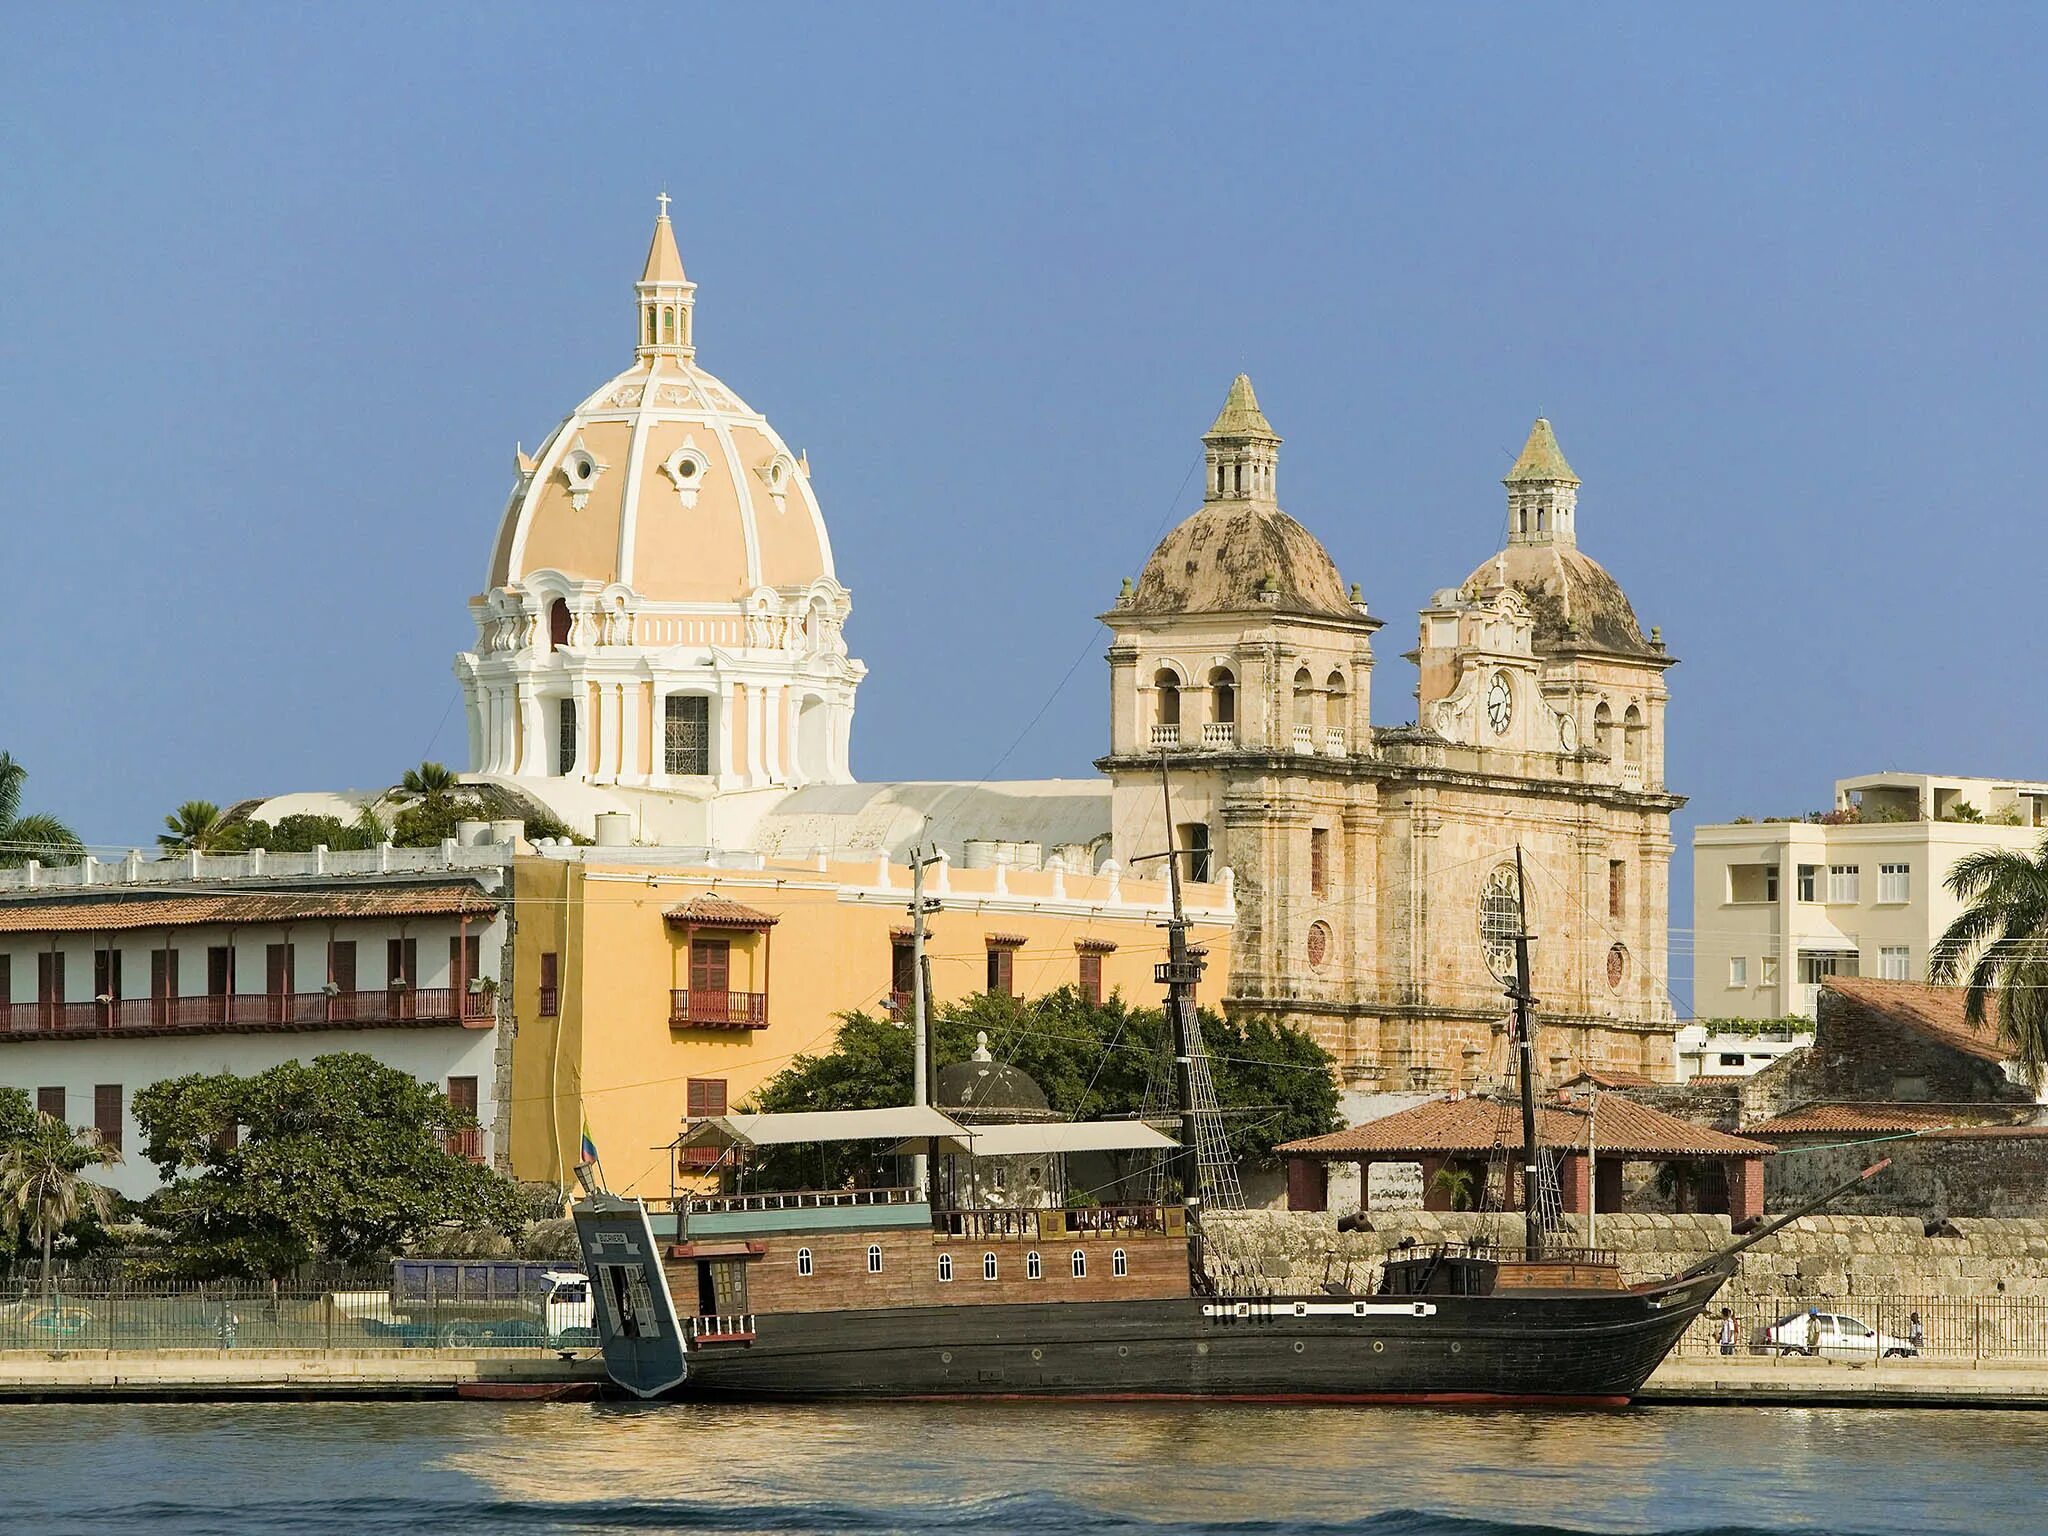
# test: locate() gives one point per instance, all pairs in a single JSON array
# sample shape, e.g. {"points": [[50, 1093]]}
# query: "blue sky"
{"points": [[284, 287]]}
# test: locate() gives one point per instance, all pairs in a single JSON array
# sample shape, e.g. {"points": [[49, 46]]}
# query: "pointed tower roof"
{"points": [[1541, 458], [664, 261], [1241, 416]]}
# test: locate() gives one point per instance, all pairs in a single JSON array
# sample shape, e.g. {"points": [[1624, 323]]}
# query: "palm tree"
{"points": [[197, 826], [43, 1191], [430, 781], [2002, 939], [42, 838]]}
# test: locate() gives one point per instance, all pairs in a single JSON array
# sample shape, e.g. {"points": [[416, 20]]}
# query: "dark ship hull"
{"points": [[1578, 1348]]}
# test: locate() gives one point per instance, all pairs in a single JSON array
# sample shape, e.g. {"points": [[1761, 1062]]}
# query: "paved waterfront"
{"points": [[461, 1468]]}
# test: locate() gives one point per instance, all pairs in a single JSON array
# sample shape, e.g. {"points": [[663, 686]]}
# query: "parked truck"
{"points": [[458, 1303]]}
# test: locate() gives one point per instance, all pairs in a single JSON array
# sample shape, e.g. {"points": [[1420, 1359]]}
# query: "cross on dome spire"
{"points": [[1243, 450], [1543, 493], [666, 295]]}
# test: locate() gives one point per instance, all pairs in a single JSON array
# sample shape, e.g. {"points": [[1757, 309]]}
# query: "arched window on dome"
{"points": [[1223, 696], [1334, 686], [650, 327], [668, 325], [558, 624], [1166, 708], [1632, 737], [1304, 710], [1603, 728]]}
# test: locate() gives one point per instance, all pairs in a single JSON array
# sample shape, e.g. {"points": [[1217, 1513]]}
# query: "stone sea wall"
{"points": [[1818, 1257]]}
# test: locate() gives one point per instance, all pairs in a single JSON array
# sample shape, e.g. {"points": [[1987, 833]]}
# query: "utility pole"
{"points": [[920, 1040]]}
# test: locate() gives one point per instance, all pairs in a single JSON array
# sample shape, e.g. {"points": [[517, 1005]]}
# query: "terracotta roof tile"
{"points": [[1811, 1118], [1479, 1125], [712, 910], [1935, 1012], [104, 914]]}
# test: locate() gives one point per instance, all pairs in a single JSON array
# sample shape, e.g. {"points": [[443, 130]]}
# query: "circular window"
{"points": [[1500, 920], [1617, 965], [1318, 944], [687, 468], [583, 469]]}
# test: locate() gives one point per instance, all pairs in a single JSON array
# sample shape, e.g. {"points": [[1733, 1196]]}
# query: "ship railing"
{"points": [[1056, 1221], [794, 1199], [719, 1328], [1508, 1253]]}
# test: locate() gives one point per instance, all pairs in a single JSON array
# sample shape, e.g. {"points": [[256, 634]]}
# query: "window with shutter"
{"points": [[550, 986], [1319, 860], [710, 965], [106, 1114], [50, 1101], [1091, 978], [703, 1099]]}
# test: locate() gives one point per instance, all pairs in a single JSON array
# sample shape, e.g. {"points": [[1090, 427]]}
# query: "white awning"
{"points": [[906, 1123], [1060, 1137], [1826, 939]]}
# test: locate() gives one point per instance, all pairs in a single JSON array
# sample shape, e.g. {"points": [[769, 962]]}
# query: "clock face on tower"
{"points": [[1500, 704]]}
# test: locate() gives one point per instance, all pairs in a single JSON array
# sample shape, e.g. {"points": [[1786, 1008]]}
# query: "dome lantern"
{"points": [[1242, 449], [666, 296]]}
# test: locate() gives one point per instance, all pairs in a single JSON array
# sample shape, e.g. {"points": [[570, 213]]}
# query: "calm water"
{"points": [[435, 1468]]}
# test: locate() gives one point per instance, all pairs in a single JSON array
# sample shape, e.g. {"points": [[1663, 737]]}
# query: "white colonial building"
{"points": [[661, 628], [118, 974]]}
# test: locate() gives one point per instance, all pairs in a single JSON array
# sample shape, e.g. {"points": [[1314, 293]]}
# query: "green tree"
{"points": [[22, 838], [1094, 1061], [431, 820], [43, 1189], [197, 826], [2000, 940], [342, 1157]]}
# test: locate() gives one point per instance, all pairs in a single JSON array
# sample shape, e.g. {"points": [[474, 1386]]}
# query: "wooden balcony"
{"points": [[699, 1008], [247, 1012], [467, 1142]]}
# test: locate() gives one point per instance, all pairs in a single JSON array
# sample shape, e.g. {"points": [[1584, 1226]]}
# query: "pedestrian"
{"points": [[230, 1324], [1727, 1330], [1916, 1333]]}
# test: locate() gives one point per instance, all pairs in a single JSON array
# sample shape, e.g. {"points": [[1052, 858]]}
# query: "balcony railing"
{"points": [[1030, 1222], [1219, 733], [698, 1007], [1165, 735], [247, 1011], [467, 1142], [1304, 739], [1333, 741]]}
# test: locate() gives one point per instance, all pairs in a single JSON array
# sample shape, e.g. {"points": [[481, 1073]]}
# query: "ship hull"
{"points": [[1579, 1348]]}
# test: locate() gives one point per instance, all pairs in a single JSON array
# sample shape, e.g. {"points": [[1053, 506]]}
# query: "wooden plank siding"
{"points": [[1156, 1268]]}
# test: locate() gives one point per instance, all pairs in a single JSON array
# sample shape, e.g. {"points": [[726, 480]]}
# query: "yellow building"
{"points": [[645, 991]]}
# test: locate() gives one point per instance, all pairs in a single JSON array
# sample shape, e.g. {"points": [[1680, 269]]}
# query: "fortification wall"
{"points": [[1833, 1257]]}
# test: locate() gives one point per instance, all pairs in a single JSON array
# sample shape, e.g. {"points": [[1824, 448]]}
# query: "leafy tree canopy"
{"points": [[1094, 1061], [342, 1157], [1998, 948]]}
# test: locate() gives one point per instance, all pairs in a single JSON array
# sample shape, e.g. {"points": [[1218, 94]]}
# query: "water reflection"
{"points": [[927, 1467]]}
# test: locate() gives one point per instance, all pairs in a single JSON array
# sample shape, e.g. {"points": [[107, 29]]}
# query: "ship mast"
{"points": [[1532, 1220], [1180, 974]]}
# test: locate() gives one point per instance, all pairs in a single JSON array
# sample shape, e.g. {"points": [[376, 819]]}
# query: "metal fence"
{"points": [[1997, 1328], [255, 1317]]}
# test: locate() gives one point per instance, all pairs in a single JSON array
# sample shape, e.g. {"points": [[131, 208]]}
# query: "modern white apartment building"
{"points": [[1780, 905]]}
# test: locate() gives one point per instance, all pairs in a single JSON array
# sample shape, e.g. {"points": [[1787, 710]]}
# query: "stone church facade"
{"points": [[1375, 865]]}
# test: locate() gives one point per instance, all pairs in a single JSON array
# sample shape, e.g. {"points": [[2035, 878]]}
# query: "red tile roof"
{"points": [[1829, 1118], [1479, 1125], [1934, 1012], [712, 910], [1604, 1078], [106, 914]]}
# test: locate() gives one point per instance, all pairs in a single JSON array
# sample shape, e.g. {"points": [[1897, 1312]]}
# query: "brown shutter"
{"points": [[106, 1113], [1091, 978], [341, 964], [710, 965], [550, 985], [50, 1101], [462, 1094], [220, 970]]}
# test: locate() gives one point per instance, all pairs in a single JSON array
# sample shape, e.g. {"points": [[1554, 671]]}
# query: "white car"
{"points": [[1834, 1334]]}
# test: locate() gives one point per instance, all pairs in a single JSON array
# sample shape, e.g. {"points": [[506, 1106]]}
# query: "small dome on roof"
{"points": [[1240, 551], [983, 1089]]}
